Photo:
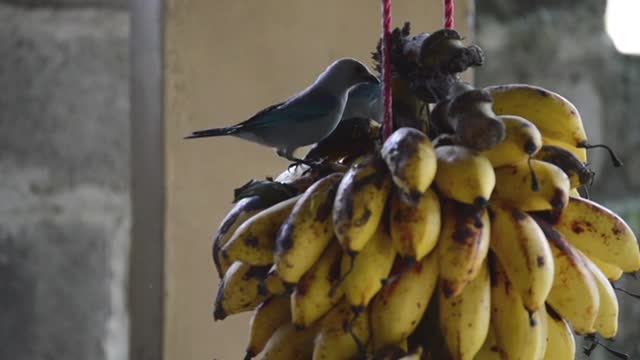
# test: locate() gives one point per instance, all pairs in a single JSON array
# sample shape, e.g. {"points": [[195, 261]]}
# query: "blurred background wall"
{"points": [[64, 178], [563, 45]]}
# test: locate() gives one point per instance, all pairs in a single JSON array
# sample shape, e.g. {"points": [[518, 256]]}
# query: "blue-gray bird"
{"points": [[305, 118], [365, 102]]}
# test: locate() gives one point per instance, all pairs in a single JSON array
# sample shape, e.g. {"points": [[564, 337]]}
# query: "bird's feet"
{"points": [[311, 165]]}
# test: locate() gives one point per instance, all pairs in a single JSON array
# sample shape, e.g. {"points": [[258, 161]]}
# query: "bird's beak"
{"points": [[373, 79]]}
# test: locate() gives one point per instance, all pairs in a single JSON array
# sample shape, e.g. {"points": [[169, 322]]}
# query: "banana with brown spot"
{"points": [[415, 229], [524, 252], [462, 246], [360, 201], [254, 241], [307, 231], [411, 159], [398, 308]]}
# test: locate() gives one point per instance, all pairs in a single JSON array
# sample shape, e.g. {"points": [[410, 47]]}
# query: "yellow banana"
{"points": [[574, 192], [415, 229], [522, 140], [463, 245], [364, 273], [335, 341], [490, 349], [267, 318], [524, 252], [313, 297], [599, 233], [515, 186], [560, 345], [360, 201], [242, 210], [578, 172], [612, 272], [401, 303], [464, 319], [464, 175], [290, 343], [239, 290], [412, 162], [272, 283], [555, 116], [607, 321], [307, 231], [253, 241], [574, 294], [520, 334]]}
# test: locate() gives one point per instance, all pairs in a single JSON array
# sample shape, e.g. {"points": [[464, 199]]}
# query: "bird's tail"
{"points": [[211, 132]]}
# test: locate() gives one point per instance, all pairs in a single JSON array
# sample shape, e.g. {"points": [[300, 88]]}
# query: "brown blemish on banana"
{"points": [[540, 261], [252, 241], [576, 228], [362, 220], [324, 211], [559, 199]]}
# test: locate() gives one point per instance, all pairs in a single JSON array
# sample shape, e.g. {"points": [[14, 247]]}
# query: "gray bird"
{"points": [[305, 118]]}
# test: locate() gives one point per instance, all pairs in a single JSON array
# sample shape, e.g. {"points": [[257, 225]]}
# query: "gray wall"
{"points": [[562, 45], [64, 179]]}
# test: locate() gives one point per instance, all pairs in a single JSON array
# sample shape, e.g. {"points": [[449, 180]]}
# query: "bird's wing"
{"points": [[300, 108]]}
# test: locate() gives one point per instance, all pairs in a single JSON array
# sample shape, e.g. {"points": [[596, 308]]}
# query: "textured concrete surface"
{"points": [[115, 4], [64, 204], [562, 45]]}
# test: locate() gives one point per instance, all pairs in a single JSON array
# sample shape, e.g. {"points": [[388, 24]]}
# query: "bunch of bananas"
{"points": [[472, 244]]}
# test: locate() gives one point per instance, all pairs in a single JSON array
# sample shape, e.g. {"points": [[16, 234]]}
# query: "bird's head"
{"points": [[346, 73]]}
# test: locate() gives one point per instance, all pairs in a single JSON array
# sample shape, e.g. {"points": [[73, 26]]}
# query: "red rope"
{"points": [[386, 68], [449, 10]]}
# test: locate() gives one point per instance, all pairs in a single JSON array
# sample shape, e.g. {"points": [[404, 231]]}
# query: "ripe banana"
{"points": [[364, 273], [341, 334], [599, 233], [360, 201], [490, 349], [239, 290], [524, 252], [612, 272], [522, 140], [516, 186], [560, 345], [313, 297], [253, 241], [555, 116], [412, 162], [401, 303], [267, 318], [307, 231], [272, 283], [464, 319], [289, 343], [574, 294], [520, 334], [579, 173], [415, 229], [463, 245], [464, 175], [243, 210], [607, 321]]}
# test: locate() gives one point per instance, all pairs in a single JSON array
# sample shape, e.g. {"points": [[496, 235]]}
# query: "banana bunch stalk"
{"points": [[484, 235]]}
